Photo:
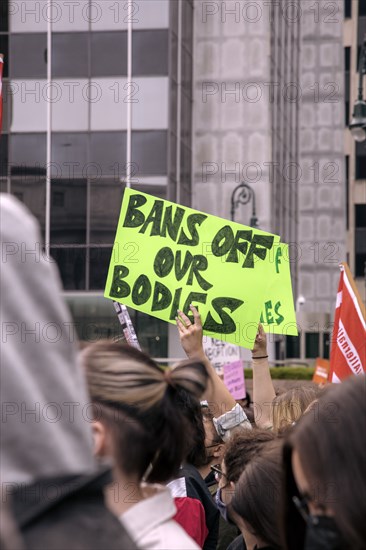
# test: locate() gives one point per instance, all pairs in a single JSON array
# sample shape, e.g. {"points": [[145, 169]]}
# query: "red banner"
{"points": [[349, 333]]}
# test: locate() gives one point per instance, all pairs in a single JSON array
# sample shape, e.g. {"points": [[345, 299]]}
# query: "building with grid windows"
{"points": [[66, 118], [355, 153], [269, 111], [258, 91]]}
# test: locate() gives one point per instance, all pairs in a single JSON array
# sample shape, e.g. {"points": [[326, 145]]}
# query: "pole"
{"points": [[48, 137], [179, 102], [129, 102]]}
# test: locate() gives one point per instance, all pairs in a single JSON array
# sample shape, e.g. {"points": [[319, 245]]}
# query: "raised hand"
{"points": [[260, 344], [191, 334]]}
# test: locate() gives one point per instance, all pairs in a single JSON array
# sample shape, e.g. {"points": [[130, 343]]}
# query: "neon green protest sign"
{"points": [[278, 313], [167, 256]]}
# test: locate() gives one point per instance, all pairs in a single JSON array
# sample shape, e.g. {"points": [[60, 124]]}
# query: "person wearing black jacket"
{"points": [[68, 512]]}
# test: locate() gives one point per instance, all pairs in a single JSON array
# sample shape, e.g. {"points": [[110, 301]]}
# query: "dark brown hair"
{"points": [[242, 448], [141, 403], [331, 446], [258, 494]]}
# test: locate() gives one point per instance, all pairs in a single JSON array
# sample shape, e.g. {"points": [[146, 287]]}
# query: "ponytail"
{"points": [[189, 376], [186, 384], [126, 380]]}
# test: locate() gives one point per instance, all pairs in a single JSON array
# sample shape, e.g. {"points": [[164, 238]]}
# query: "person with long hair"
{"points": [[241, 449], [325, 482], [139, 424], [271, 411], [256, 502]]}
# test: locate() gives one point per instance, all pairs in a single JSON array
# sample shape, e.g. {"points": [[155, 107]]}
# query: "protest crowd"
{"points": [[103, 448]]}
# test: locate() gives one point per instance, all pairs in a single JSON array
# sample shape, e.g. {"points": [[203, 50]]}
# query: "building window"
{"points": [[4, 156], [4, 49], [58, 199], [312, 345], [149, 152], [70, 55], [68, 225], [31, 190], [361, 8], [361, 161], [347, 190], [108, 151], [28, 154], [292, 347], [347, 83], [28, 55], [105, 196], [150, 52], [99, 263], [109, 54], [326, 345], [71, 263], [4, 17], [347, 9], [70, 155], [360, 239]]}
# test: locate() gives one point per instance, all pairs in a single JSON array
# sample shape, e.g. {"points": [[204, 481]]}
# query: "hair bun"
{"points": [[191, 376]]}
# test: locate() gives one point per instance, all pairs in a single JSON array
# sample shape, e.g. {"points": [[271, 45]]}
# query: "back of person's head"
{"points": [[192, 412], [10, 538], [242, 448], [258, 494], [141, 404], [43, 430], [205, 439], [288, 407], [209, 425], [332, 453]]}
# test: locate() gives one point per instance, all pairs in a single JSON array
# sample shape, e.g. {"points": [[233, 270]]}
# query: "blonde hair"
{"points": [[288, 407], [148, 399]]}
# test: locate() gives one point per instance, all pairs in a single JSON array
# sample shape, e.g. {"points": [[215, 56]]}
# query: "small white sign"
{"points": [[220, 353]]}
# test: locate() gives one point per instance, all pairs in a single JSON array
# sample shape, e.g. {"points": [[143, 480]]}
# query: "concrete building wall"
{"points": [[246, 58], [322, 195], [354, 29], [231, 111]]}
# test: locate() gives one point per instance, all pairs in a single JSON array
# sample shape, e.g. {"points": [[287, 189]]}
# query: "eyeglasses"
{"points": [[211, 446], [219, 474], [302, 507]]}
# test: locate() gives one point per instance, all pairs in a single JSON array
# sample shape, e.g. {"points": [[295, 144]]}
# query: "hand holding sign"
{"points": [[260, 344], [191, 334], [191, 337]]}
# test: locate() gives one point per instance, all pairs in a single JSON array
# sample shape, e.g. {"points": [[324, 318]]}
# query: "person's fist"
{"points": [[260, 344]]}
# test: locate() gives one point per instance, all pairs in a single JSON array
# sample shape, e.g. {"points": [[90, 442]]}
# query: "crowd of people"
{"points": [[102, 448]]}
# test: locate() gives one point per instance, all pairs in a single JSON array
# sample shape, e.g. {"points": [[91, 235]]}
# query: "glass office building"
{"points": [[66, 99]]}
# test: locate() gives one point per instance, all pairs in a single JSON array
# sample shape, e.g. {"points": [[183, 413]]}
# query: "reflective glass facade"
{"points": [[89, 94]]}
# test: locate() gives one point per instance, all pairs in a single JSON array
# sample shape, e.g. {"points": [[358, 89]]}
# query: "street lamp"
{"points": [[300, 302], [243, 194], [358, 122]]}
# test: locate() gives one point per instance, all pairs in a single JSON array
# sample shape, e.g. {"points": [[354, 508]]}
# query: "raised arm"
{"points": [[191, 336], [263, 390]]}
